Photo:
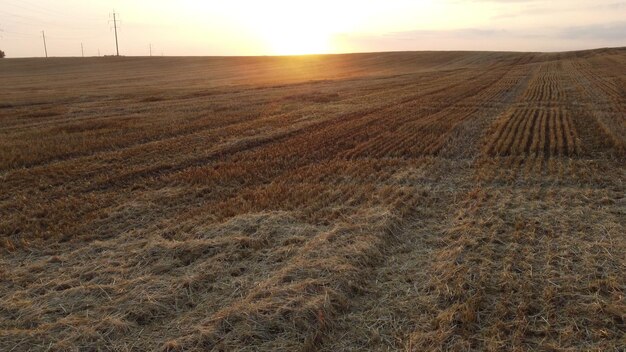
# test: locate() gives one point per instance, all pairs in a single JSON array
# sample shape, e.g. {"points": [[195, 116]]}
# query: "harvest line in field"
{"points": [[385, 201]]}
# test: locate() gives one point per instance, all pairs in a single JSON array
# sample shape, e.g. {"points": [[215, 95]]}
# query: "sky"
{"points": [[283, 27]]}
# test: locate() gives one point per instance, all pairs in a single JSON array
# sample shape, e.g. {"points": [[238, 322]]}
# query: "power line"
{"points": [[37, 6], [22, 34], [36, 21], [45, 11], [30, 9], [31, 35], [25, 32], [76, 38]]}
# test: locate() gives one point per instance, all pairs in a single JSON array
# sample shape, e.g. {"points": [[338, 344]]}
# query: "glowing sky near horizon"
{"points": [[281, 27]]}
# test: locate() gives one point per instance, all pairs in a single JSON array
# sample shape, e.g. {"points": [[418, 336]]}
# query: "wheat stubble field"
{"points": [[409, 201]]}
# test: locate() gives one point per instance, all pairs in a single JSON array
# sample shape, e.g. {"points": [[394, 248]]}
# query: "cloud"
{"points": [[612, 31], [613, 6], [464, 33], [606, 31], [494, 1], [540, 38], [548, 8]]}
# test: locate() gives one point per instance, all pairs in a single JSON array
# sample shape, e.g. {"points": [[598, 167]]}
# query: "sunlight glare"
{"points": [[292, 28]]}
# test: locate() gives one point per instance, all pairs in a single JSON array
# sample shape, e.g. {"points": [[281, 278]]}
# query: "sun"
{"points": [[298, 41], [294, 33], [287, 27], [295, 28]]}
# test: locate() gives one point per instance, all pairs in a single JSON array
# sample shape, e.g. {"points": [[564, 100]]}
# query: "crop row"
{"points": [[547, 132]]}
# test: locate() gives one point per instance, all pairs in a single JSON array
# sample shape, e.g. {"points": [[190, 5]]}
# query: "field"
{"points": [[414, 201]]}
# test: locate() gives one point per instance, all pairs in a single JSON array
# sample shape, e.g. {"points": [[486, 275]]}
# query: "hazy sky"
{"points": [[248, 27]]}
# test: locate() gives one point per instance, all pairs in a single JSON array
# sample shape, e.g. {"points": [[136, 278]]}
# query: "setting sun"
{"points": [[293, 33], [288, 28], [297, 41]]}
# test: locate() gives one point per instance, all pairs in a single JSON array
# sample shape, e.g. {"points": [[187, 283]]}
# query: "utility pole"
{"points": [[98, 51], [150, 49], [82, 51], [45, 47], [117, 48]]}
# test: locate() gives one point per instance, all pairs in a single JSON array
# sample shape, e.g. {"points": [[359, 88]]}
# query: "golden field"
{"points": [[412, 201]]}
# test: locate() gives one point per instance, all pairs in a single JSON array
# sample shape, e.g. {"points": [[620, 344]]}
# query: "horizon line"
{"points": [[322, 54]]}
